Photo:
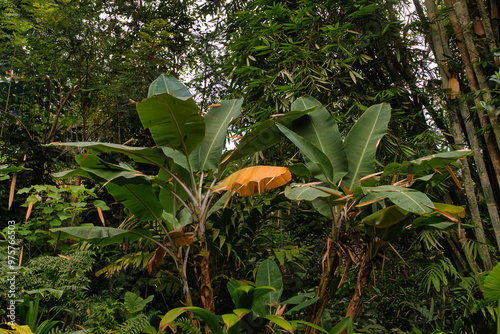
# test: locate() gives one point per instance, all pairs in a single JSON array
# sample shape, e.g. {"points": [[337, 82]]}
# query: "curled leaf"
{"points": [[254, 180]]}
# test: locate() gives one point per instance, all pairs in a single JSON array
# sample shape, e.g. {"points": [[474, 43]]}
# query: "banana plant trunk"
{"points": [[323, 291], [356, 303], [206, 291]]}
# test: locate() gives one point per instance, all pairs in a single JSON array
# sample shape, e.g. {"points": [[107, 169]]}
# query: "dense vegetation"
{"points": [[132, 197]]}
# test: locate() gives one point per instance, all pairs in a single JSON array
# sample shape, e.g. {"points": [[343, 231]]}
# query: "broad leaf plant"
{"points": [[175, 203], [361, 204]]}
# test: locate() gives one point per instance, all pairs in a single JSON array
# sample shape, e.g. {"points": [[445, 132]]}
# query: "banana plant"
{"points": [[175, 202], [355, 198]]}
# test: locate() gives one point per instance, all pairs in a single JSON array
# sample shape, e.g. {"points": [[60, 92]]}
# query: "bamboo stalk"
{"points": [[465, 24], [471, 194]]}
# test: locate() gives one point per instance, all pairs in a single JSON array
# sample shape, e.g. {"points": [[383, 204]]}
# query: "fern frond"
{"points": [[134, 325], [186, 327]]}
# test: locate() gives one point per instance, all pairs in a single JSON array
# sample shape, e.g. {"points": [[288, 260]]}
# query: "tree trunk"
{"points": [[490, 36], [465, 31], [462, 240], [439, 38], [482, 172], [471, 194]]}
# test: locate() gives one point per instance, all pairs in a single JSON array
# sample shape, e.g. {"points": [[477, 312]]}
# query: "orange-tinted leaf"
{"points": [[28, 213], [99, 211], [181, 238], [254, 180], [454, 177], [12, 189], [156, 260]]}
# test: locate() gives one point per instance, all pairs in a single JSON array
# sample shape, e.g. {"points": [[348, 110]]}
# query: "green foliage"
{"points": [[435, 275], [51, 206], [66, 272], [134, 325], [134, 303], [185, 326]]}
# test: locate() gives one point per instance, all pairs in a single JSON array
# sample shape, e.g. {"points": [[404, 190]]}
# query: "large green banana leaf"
{"points": [[268, 275], [153, 156], [262, 137], [133, 189], [99, 235], [407, 199], [168, 84], [217, 123], [362, 141], [386, 217], [173, 122], [308, 193], [430, 162], [319, 128], [323, 169]]}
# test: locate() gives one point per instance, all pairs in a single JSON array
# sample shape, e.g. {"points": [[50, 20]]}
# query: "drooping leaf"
{"points": [[406, 198], [386, 217], [279, 321], [24, 329], [437, 160], [261, 137], [346, 323], [301, 306], [98, 235], [153, 156], [209, 318], [168, 84], [217, 124], [323, 206], [254, 180], [323, 168], [55, 292], [319, 128], [307, 193], [319, 328], [173, 122], [362, 141], [131, 188], [456, 211]]}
